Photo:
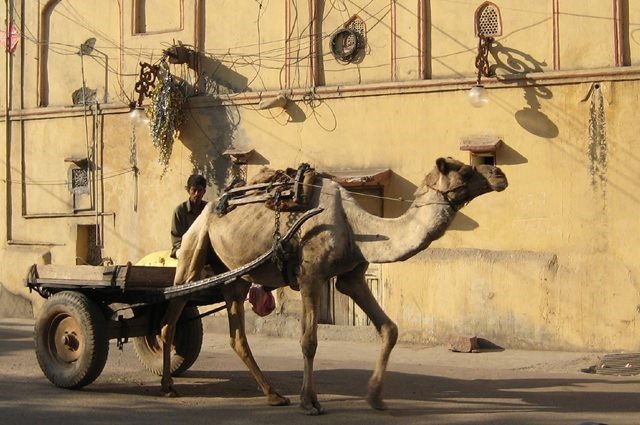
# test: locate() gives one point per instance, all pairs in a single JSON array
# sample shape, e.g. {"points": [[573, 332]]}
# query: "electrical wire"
{"points": [[253, 59], [67, 182]]}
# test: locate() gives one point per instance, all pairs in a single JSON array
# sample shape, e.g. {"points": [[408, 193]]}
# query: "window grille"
{"points": [[488, 21], [78, 180]]}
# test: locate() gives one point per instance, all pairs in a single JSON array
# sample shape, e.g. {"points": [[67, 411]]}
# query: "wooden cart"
{"points": [[86, 306]]}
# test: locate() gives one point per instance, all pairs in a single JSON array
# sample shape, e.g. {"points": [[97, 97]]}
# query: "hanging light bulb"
{"points": [[138, 115], [488, 24], [478, 96]]}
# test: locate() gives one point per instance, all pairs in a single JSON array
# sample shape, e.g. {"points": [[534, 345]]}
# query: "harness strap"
{"points": [[445, 196]]}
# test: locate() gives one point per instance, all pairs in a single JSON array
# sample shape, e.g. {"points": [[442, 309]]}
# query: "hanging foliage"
{"points": [[166, 114]]}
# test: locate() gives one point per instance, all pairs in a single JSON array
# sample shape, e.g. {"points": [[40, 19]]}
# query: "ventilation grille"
{"points": [[78, 180], [488, 21], [358, 26], [348, 43]]}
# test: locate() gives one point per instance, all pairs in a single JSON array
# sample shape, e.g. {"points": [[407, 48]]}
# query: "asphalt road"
{"points": [[423, 386]]}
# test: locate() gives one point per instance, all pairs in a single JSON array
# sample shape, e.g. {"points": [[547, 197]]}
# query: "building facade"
{"points": [[373, 91]]}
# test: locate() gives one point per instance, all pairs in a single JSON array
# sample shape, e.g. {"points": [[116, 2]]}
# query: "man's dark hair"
{"points": [[196, 180]]}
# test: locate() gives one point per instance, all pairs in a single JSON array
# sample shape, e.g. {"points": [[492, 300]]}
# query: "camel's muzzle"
{"points": [[498, 180]]}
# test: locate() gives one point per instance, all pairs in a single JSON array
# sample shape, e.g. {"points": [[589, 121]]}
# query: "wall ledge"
{"points": [[630, 73]]}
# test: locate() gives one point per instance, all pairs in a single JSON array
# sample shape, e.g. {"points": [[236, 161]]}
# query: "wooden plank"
{"points": [[94, 274], [250, 199], [256, 186], [72, 283], [149, 277], [129, 276]]}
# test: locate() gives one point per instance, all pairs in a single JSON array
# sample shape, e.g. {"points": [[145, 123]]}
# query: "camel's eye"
{"points": [[466, 172]]}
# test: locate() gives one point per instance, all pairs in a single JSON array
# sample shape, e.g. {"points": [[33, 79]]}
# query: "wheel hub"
{"points": [[71, 341], [67, 340]]}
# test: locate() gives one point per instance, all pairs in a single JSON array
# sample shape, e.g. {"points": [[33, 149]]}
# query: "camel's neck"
{"points": [[386, 240]]}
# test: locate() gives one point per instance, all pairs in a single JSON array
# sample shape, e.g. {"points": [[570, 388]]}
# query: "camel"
{"points": [[341, 241]]}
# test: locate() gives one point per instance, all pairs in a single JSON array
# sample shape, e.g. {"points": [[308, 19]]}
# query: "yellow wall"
{"points": [[549, 263]]}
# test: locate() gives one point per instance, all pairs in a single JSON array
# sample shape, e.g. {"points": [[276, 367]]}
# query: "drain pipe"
{"points": [[7, 128], [314, 38]]}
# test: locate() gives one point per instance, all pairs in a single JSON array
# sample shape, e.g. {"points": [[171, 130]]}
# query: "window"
{"points": [[367, 188], [482, 149], [88, 250], [79, 183]]}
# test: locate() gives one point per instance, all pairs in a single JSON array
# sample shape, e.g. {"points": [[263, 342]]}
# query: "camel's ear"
{"points": [[441, 163]]}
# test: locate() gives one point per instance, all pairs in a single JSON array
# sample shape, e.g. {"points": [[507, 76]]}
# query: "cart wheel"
{"points": [[186, 347], [71, 340]]}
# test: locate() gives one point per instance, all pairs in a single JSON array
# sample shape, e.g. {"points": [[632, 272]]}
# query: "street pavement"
{"points": [[424, 385]]}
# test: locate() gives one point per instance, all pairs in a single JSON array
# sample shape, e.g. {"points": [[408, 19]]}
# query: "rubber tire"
{"points": [[186, 345], [82, 360]]}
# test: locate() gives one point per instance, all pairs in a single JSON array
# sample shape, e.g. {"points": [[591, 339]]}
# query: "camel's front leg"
{"points": [[309, 343], [167, 333], [355, 286], [235, 295]]}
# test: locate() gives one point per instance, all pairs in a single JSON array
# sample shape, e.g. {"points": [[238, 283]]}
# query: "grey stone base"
{"points": [[14, 306], [289, 326]]}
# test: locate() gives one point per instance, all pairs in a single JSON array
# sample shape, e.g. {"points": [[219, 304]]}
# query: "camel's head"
{"points": [[459, 183]]}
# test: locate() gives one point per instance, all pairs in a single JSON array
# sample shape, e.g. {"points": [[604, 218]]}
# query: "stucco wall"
{"points": [[549, 263]]}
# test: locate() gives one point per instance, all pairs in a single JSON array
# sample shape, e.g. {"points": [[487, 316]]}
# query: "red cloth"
{"points": [[262, 302], [10, 38]]}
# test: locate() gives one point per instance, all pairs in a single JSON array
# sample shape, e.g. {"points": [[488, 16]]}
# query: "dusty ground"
{"points": [[423, 386]]}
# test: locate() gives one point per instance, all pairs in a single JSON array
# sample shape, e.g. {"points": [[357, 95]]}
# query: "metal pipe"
{"points": [[423, 69], [66, 215], [197, 36], [287, 43], [314, 41], [95, 175], [556, 35], [618, 33], [198, 42], [394, 65], [64, 112], [7, 130]]}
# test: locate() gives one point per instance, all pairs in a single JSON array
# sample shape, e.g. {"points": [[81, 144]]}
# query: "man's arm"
{"points": [[178, 229]]}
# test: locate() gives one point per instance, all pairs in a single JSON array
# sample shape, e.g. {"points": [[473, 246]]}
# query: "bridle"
{"points": [[447, 200]]}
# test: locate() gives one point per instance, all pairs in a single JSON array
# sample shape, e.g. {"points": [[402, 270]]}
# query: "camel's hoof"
{"points": [[278, 400], [170, 393], [312, 409], [376, 402]]}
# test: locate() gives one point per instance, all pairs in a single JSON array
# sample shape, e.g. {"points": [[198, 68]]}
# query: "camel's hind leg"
{"points": [[235, 295], [354, 285]]}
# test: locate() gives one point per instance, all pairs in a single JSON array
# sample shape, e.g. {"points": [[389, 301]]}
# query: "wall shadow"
{"points": [[208, 132], [510, 156], [215, 78], [463, 223], [515, 63]]}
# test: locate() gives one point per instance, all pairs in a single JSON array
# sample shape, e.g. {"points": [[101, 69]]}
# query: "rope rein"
{"points": [[444, 194]]}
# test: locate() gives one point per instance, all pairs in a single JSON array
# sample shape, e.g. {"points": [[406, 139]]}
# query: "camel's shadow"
{"points": [[424, 393]]}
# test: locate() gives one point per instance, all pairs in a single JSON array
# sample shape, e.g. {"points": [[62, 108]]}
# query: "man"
{"points": [[186, 213]]}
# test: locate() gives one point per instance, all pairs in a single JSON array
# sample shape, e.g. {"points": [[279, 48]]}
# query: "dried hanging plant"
{"points": [[165, 114]]}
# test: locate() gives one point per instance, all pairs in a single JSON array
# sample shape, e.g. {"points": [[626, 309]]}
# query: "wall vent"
{"points": [[488, 22]]}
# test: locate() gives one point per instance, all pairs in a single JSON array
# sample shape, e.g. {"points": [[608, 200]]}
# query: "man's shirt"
{"points": [[183, 217]]}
